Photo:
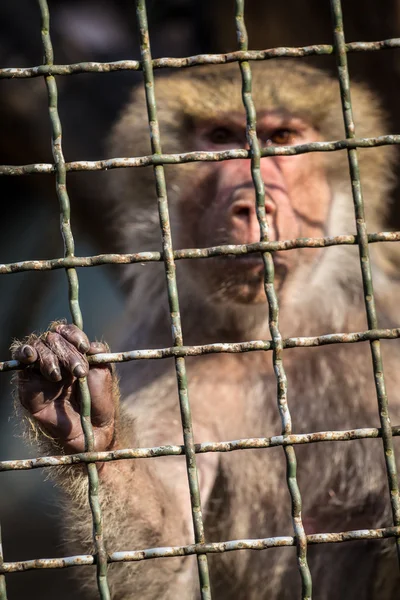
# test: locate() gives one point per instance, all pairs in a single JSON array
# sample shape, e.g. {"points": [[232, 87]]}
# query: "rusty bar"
{"points": [[200, 156], [73, 287], [234, 250], [232, 348], [191, 61], [269, 274], [344, 82], [210, 548], [173, 299], [201, 448]]}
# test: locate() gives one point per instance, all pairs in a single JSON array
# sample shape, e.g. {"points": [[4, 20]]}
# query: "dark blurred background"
{"points": [[105, 30]]}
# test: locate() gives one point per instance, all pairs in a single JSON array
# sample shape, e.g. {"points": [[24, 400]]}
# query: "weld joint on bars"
{"points": [[191, 61], [200, 156]]}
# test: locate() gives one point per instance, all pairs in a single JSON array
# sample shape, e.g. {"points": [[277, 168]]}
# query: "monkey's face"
{"points": [[222, 208]]}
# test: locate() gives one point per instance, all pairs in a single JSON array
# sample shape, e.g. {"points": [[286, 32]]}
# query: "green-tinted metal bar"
{"points": [[344, 82], [3, 590], [291, 463], [210, 548], [233, 348], [199, 156], [172, 289], [73, 288], [190, 253], [346, 435], [192, 61]]}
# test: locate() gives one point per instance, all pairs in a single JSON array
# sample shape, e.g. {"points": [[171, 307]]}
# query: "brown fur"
{"points": [[244, 493]]}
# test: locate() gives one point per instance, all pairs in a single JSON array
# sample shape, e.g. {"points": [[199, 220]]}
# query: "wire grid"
{"points": [[287, 440]]}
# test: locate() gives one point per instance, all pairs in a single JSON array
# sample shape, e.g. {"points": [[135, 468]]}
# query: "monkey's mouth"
{"points": [[253, 264]]}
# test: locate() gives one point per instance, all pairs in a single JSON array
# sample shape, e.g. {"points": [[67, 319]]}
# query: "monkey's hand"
{"points": [[49, 390]]}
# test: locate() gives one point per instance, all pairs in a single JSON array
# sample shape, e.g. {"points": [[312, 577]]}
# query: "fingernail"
{"points": [[28, 351], [79, 371], [55, 374], [83, 347]]}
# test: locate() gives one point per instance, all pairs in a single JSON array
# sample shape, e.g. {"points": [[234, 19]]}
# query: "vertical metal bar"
{"points": [[291, 463], [172, 289], [61, 189], [3, 591], [344, 81]]}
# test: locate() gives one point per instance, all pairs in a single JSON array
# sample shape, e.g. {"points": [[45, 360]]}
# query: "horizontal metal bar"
{"points": [[210, 548], [189, 157], [191, 253], [192, 61], [234, 348], [201, 448]]}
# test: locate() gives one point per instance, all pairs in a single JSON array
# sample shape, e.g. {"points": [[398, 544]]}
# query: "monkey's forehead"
{"points": [[297, 88], [218, 88]]}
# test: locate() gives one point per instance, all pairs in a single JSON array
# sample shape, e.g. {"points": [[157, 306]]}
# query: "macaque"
{"points": [[244, 494]]}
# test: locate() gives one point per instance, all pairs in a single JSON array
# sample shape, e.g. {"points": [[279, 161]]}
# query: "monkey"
{"points": [[145, 503]]}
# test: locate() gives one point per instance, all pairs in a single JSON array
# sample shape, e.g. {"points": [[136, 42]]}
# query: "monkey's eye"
{"points": [[222, 135], [282, 137]]}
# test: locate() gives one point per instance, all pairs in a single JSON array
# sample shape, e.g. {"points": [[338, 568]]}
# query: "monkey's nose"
{"points": [[244, 222], [245, 208]]}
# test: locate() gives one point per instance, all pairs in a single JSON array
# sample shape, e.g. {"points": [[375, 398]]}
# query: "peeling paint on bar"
{"points": [[365, 263], [73, 292], [190, 253], [273, 305], [232, 348], [173, 300], [210, 548], [192, 61], [187, 157], [201, 448]]}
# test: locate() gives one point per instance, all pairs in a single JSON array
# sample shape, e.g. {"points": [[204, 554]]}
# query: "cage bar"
{"points": [[365, 263], [73, 288], [231, 249], [210, 548], [186, 157], [173, 300], [192, 61], [273, 306], [346, 435]]}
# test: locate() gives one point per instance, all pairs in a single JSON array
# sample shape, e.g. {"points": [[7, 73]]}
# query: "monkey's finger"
{"points": [[100, 382], [48, 363], [98, 348], [67, 355], [25, 353], [73, 335]]}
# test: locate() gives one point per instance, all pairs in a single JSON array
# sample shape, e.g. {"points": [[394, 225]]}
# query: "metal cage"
{"points": [[288, 440]]}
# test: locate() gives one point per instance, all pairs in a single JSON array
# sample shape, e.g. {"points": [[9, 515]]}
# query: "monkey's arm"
{"points": [[142, 502]]}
